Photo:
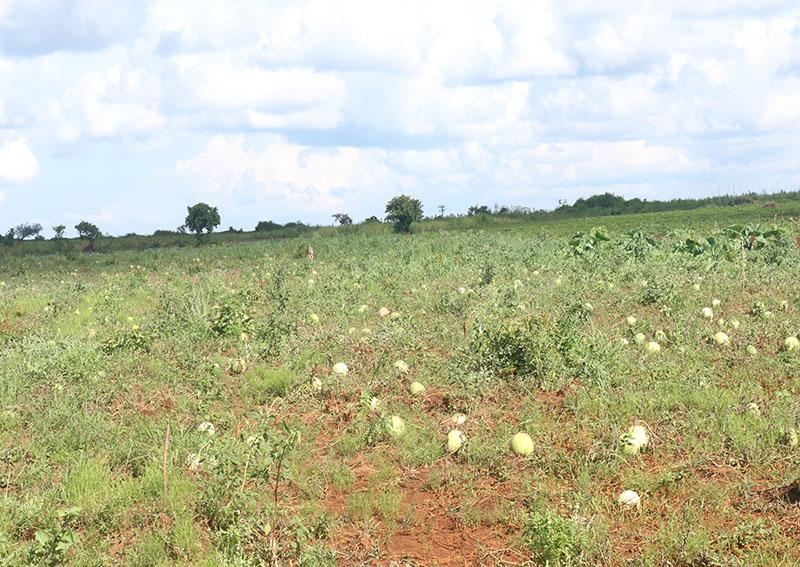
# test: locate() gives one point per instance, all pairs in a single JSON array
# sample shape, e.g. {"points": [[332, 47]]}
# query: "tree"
{"points": [[478, 210], [8, 239], [59, 231], [343, 219], [402, 211], [441, 211], [202, 218], [267, 225], [372, 219], [26, 230], [88, 231]]}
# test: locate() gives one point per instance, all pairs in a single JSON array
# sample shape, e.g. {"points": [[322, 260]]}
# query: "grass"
{"points": [[507, 323]]}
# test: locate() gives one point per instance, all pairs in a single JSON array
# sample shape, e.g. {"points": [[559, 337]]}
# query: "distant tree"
{"points": [[88, 231], [478, 210], [343, 219], [267, 225], [202, 218], [8, 239], [59, 230], [181, 229], [372, 219], [26, 230], [402, 211], [441, 211]]}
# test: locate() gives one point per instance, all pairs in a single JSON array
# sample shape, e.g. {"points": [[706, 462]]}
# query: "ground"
{"points": [[517, 328]]}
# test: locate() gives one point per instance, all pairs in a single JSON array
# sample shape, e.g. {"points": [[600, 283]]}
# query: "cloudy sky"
{"points": [[123, 113]]}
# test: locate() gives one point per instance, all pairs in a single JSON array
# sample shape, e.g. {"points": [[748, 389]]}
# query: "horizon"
{"points": [[496, 209], [124, 114]]}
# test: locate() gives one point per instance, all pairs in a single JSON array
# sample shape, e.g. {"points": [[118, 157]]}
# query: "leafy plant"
{"points": [[517, 348], [551, 538], [637, 244], [583, 243], [230, 317], [51, 546]]}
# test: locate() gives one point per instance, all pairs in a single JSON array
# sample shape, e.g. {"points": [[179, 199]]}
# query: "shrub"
{"points": [[517, 348], [230, 317], [552, 538]]}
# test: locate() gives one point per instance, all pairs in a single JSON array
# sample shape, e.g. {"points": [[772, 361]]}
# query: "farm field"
{"points": [[243, 404]]}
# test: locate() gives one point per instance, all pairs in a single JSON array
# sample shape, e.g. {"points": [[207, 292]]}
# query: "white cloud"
{"points": [[35, 27], [117, 102], [320, 181], [312, 105], [226, 93], [605, 162], [18, 164], [299, 178]]}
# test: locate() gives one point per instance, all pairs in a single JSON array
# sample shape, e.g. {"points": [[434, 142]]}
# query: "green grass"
{"points": [[99, 354]]}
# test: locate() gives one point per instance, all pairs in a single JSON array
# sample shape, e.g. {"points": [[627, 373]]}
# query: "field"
{"points": [[185, 406]]}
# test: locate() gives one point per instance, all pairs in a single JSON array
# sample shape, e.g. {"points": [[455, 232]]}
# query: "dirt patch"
{"points": [[434, 537], [432, 532]]}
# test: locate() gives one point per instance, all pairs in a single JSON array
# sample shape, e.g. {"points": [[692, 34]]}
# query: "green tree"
{"points": [[26, 230], [343, 219], [267, 225], [478, 210], [88, 231], [402, 211], [202, 218], [59, 231]]}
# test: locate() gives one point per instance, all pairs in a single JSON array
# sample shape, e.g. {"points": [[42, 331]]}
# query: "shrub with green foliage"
{"points": [[551, 538], [523, 348]]}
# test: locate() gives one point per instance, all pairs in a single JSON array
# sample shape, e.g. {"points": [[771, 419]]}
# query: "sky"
{"points": [[125, 112]]}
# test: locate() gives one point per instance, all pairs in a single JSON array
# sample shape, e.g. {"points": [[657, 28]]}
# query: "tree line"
{"points": [[402, 211]]}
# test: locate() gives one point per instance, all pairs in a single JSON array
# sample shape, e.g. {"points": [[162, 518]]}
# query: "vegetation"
{"points": [[479, 210], [181, 405], [58, 231], [27, 230], [748, 207], [343, 219], [202, 218], [403, 211], [88, 231]]}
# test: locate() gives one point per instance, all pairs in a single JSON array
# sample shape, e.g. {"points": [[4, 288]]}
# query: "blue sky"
{"points": [[124, 113]]}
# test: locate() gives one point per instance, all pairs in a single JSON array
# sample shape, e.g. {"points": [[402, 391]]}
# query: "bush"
{"points": [[518, 348], [230, 317], [552, 538], [549, 350]]}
